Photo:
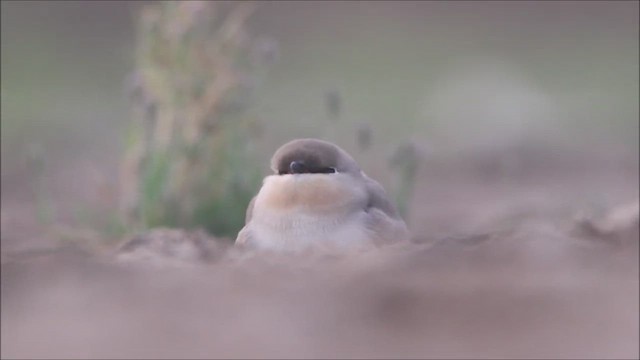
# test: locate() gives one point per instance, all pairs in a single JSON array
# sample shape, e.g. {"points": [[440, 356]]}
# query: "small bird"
{"points": [[318, 197]]}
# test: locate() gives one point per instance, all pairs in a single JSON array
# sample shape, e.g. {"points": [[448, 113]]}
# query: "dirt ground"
{"points": [[500, 268]]}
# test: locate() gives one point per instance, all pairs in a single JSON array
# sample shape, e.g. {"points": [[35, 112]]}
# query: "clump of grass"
{"points": [[333, 103], [37, 165], [405, 162], [188, 161], [364, 135]]}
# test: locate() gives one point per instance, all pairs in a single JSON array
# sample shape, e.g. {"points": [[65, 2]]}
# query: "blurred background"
{"points": [[459, 77], [476, 116]]}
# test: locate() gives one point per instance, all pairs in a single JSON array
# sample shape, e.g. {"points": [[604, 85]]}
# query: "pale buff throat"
{"points": [[318, 193]]}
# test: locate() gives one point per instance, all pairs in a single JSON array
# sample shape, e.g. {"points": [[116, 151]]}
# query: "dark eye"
{"points": [[327, 170]]}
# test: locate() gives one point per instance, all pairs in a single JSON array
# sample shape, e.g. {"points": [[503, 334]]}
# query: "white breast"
{"points": [[284, 218], [298, 231]]}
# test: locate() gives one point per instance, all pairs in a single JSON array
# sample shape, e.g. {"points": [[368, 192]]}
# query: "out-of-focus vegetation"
{"points": [[405, 162], [188, 162]]}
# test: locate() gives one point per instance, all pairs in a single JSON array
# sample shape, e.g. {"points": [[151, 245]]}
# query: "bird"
{"points": [[319, 198]]}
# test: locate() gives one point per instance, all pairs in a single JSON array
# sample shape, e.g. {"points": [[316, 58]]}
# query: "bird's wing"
{"points": [[383, 219], [378, 199], [249, 212], [243, 239], [244, 236]]}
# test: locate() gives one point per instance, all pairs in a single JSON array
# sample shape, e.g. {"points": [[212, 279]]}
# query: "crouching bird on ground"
{"points": [[319, 198]]}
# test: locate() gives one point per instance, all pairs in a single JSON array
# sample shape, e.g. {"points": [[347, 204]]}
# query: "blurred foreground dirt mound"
{"points": [[536, 290]]}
